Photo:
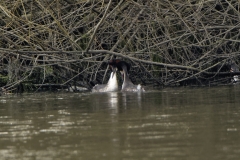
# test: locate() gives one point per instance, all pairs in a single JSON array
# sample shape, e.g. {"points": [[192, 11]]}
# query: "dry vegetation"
{"points": [[67, 42]]}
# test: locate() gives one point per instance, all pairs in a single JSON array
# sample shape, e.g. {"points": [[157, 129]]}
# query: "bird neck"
{"points": [[126, 79], [112, 79], [112, 82]]}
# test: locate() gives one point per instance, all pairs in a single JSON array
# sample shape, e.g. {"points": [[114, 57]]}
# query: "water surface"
{"points": [[169, 124]]}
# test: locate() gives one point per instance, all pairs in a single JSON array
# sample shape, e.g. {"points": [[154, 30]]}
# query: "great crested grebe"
{"points": [[124, 68], [111, 86], [234, 68]]}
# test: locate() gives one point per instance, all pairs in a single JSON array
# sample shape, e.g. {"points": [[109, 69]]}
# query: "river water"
{"points": [[169, 124]]}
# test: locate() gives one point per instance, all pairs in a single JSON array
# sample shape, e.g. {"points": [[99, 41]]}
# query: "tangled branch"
{"points": [[166, 42]]}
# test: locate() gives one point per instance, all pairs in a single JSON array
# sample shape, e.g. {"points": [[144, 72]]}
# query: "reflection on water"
{"points": [[178, 123]]}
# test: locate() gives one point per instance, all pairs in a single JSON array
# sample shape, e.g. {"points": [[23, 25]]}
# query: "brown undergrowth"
{"points": [[61, 43]]}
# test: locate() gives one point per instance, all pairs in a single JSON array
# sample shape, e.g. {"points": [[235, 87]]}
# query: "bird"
{"points": [[117, 63], [111, 86], [234, 68], [124, 68]]}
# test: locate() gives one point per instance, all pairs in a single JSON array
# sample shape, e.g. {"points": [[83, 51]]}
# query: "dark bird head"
{"points": [[234, 67], [119, 65]]}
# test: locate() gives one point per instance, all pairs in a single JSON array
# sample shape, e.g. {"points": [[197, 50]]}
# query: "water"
{"points": [[170, 124]]}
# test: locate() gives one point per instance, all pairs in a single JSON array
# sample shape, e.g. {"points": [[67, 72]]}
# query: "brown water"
{"points": [[170, 124]]}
